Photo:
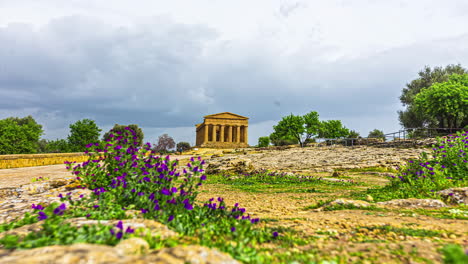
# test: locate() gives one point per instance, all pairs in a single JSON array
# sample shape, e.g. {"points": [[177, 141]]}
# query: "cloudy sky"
{"points": [[165, 64]]}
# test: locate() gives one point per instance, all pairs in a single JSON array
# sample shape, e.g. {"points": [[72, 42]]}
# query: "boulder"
{"points": [[455, 195], [414, 203]]}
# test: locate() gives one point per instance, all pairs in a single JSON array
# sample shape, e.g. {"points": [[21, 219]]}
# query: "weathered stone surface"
{"points": [[414, 203], [455, 195], [319, 159], [122, 253], [133, 246], [354, 203], [235, 165]]}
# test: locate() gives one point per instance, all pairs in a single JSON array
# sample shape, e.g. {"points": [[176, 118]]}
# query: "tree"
{"points": [[19, 135], [376, 134], [286, 140], [412, 117], [83, 132], [165, 142], [447, 102], [263, 142], [332, 129], [121, 129], [354, 134], [183, 146], [58, 146], [300, 128]]}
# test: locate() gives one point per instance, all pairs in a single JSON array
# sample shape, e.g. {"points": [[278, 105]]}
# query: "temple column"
{"points": [[230, 134], [238, 138], [205, 134], [245, 135], [213, 133], [221, 134]]}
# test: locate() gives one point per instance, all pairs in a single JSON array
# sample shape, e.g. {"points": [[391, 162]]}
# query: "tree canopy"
{"points": [[83, 132], [412, 116], [303, 128], [19, 135], [447, 102], [165, 143]]}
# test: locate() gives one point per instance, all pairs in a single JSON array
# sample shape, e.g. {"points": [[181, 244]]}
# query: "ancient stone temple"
{"points": [[223, 130]]}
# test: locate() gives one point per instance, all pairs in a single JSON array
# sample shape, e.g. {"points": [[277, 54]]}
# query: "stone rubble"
{"points": [[314, 159]]}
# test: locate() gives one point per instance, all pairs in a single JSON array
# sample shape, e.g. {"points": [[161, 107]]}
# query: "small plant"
{"points": [[447, 167], [39, 179], [453, 254]]}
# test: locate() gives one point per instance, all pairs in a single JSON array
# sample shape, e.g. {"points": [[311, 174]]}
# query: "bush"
{"points": [[376, 134], [19, 135], [183, 146], [82, 132], [447, 167], [121, 129], [263, 142], [58, 146]]}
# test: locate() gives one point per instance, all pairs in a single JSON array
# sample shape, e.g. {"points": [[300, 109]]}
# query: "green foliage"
{"points": [[447, 102], [376, 134], [121, 129], [263, 142], [447, 167], [82, 133], [183, 146], [58, 146], [332, 129], [354, 134], [19, 135], [412, 117], [300, 128], [453, 254], [282, 141]]}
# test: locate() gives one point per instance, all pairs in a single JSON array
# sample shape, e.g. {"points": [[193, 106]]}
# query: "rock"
{"points": [[414, 203], [455, 195], [369, 198], [132, 246], [337, 174], [229, 165], [194, 254], [37, 187], [345, 202]]}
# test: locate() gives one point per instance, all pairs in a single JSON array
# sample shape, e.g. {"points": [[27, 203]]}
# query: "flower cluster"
{"points": [[120, 232], [448, 165]]}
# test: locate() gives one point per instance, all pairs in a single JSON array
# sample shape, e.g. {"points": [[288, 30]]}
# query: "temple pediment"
{"points": [[226, 115], [223, 130]]}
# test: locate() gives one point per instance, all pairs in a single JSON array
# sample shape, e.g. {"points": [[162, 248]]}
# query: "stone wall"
{"points": [[30, 160]]}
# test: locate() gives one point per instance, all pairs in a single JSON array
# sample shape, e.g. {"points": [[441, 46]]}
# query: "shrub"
{"points": [[139, 135], [376, 134], [447, 167], [183, 146], [263, 142]]}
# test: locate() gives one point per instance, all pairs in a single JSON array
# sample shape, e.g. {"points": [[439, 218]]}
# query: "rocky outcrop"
{"points": [[132, 250], [400, 203], [314, 159], [455, 195], [414, 203]]}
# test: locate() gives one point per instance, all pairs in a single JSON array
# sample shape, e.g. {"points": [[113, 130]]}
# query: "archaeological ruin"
{"points": [[223, 130]]}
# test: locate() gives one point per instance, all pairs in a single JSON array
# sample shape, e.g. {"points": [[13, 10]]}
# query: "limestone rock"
{"points": [[230, 165], [414, 203], [345, 202], [195, 254], [455, 195], [91, 253], [132, 246]]}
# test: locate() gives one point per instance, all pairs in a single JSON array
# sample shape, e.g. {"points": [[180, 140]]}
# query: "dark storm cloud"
{"points": [[163, 74]]}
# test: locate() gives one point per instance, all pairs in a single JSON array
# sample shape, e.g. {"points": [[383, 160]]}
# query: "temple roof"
{"points": [[225, 115]]}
